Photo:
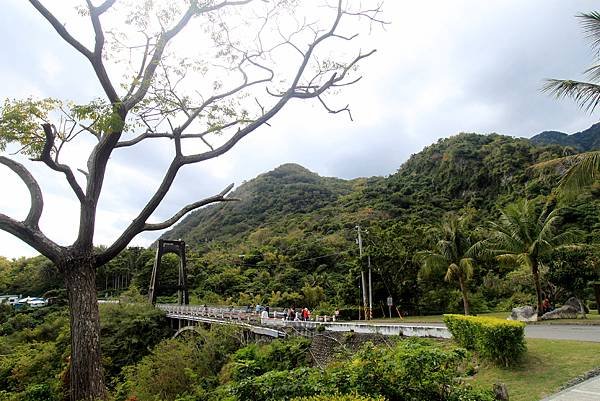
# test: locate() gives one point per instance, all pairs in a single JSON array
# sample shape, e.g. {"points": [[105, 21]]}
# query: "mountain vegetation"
{"points": [[290, 240], [583, 141], [291, 237]]}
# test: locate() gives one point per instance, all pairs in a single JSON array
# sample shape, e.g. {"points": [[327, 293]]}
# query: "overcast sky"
{"points": [[442, 67]]}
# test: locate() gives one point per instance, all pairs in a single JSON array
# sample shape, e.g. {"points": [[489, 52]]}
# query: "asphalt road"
{"points": [[563, 332], [549, 331]]}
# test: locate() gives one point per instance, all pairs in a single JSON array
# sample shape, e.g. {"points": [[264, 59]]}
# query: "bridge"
{"points": [[187, 316]]}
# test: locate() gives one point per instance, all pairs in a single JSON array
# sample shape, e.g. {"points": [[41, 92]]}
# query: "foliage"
{"points": [[128, 331], [20, 122], [410, 370], [523, 236], [177, 367], [451, 255], [586, 94], [254, 360], [500, 341]]}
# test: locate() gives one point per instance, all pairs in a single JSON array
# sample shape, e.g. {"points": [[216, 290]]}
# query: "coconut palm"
{"points": [[586, 94], [522, 237], [582, 169], [449, 254]]}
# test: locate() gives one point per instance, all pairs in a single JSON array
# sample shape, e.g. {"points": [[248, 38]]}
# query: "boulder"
{"points": [[524, 314], [577, 304], [571, 309]]}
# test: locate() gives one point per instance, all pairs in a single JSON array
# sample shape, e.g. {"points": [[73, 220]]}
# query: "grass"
{"points": [[548, 365], [592, 319]]}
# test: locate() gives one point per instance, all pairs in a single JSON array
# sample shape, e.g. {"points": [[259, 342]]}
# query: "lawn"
{"points": [[592, 318], [548, 365]]}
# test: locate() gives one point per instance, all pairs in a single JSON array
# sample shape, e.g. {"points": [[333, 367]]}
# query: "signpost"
{"points": [[390, 302]]}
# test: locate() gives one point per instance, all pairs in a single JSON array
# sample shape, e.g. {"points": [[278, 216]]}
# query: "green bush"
{"points": [[254, 360], [412, 370], [501, 341], [128, 332]]}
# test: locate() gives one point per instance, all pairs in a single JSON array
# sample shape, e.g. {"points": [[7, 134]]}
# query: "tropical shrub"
{"points": [[412, 370], [501, 341], [128, 331]]}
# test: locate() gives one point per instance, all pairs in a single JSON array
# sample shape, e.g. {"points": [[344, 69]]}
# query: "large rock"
{"points": [[577, 304], [571, 309], [524, 314]]}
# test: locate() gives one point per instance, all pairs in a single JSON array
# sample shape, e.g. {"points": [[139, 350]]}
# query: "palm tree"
{"points": [[450, 255], [586, 94], [522, 237], [582, 169]]}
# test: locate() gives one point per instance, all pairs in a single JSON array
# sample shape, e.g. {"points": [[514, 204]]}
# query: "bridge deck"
{"points": [[274, 327]]}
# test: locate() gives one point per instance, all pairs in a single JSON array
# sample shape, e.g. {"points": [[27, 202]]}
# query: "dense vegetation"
{"points": [[141, 363], [290, 240]]}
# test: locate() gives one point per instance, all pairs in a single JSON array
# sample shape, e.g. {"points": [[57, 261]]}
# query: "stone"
{"points": [[524, 314], [571, 309], [501, 392], [577, 304]]}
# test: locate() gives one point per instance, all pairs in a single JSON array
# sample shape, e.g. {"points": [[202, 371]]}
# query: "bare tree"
{"points": [[255, 44]]}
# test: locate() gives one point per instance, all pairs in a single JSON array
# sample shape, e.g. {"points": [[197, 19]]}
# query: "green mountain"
{"points": [[289, 191], [292, 236], [583, 141], [455, 174]]}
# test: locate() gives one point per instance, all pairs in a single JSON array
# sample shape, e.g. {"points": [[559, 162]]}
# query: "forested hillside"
{"points": [[291, 237], [583, 141]]}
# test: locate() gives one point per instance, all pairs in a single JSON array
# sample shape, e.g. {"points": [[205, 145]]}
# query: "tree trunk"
{"points": [[538, 287], [463, 290], [86, 377]]}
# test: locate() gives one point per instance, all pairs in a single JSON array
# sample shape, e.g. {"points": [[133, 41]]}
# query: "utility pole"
{"points": [[362, 272], [370, 289]]}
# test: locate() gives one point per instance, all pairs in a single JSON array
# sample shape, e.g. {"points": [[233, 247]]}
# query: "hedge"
{"points": [[501, 341]]}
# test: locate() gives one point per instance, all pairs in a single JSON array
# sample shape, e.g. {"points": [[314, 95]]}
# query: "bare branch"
{"points": [[163, 40], [54, 165], [347, 108], [85, 173], [31, 236], [192, 206], [37, 201], [138, 223], [27, 230], [94, 57], [136, 81], [61, 29]]}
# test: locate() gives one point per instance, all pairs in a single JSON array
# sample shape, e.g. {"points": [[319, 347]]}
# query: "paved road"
{"points": [[589, 390], [549, 331], [564, 332]]}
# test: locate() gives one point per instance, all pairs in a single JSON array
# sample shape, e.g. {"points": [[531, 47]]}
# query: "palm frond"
{"points": [[591, 26], [585, 94], [567, 238], [431, 263], [583, 173], [467, 267], [452, 272], [507, 258], [555, 163], [593, 72]]}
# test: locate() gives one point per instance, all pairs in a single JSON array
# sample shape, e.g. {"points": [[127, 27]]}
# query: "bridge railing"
{"points": [[228, 313]]}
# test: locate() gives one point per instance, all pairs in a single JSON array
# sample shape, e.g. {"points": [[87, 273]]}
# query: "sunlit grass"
{"points": [[547, 366]]}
